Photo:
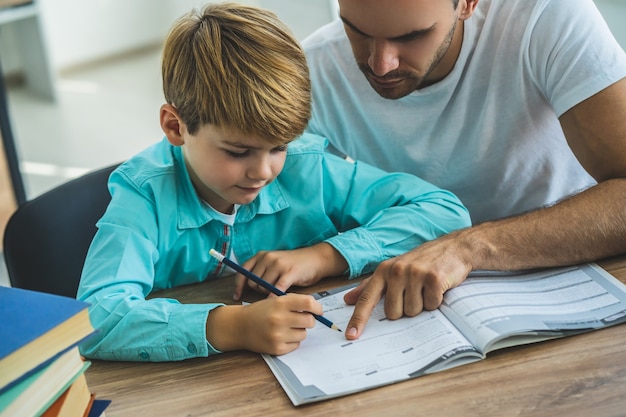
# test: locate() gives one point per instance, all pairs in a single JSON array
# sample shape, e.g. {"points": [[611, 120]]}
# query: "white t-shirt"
{"points": [[489, 132]]}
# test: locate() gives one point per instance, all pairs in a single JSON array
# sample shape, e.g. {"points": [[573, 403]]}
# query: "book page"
{"points": [[327, 365], [497, 310]]}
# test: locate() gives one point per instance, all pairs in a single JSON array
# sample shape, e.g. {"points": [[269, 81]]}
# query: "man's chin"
{"points": [[392, 91]]}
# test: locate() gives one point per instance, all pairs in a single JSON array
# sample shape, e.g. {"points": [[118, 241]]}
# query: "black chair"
{"points": [[47, 238]]}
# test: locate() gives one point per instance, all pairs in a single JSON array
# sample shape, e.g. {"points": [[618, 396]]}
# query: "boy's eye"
{"points": [[282, 148], [248, 152], [237, 154]]}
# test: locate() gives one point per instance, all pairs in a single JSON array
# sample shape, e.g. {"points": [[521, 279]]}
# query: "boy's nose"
{"points": [[260, 170]]}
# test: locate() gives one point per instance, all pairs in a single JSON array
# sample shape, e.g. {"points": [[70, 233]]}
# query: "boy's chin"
{"points": [[246, 199]]}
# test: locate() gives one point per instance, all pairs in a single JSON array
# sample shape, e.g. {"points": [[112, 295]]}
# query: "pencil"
{"points": [[265, 284]]}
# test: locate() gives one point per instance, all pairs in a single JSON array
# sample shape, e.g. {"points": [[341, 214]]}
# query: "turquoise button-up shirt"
{"points": [[156, 234]]}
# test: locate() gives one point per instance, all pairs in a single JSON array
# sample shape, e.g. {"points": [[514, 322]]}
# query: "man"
{"points": [[519, 107]]}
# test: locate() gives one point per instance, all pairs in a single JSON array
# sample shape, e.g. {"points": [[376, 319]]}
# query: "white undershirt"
{"points": [[227, 219]]}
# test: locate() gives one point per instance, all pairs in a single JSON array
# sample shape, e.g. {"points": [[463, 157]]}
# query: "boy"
{"points": [[237, 91]]}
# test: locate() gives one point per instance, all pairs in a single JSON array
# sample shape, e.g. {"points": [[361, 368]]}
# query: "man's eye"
{"points": [[358, 34]]}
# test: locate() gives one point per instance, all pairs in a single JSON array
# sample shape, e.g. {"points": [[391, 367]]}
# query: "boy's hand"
{"points": [[274, 325], [302, 267]]}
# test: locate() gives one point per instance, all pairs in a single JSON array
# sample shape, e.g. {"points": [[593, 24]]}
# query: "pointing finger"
{"points": [[352, 296], [369, 297]]}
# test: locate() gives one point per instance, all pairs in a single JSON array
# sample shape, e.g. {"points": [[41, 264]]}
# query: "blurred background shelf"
{"points": [[29, 43]]}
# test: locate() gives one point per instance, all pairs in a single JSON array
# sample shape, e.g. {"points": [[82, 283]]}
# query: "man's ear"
{"points": [[172, 125], [467, 8]]}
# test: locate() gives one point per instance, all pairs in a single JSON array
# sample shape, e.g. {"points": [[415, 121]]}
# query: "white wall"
{"points": [[302, 16], [79, 31], [614, 12]]}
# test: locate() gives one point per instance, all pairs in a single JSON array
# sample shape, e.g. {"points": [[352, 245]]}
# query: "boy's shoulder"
{"points": [[156, 161], [307, 143]]}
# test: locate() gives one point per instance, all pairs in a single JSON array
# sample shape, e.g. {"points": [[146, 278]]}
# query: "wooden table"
{"points": [[583, 375]]}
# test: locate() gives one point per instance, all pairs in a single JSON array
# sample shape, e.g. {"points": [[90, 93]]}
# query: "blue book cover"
{"points": [[98, 407], [36, 327]]}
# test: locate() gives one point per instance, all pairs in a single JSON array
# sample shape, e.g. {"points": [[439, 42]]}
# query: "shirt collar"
{"points": [[195, 214]]}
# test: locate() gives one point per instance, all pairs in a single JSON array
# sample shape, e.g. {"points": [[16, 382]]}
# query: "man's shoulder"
{"points": [[528, 8], [330, 33]]}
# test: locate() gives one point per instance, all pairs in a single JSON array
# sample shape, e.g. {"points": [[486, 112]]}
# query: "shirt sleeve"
{"points": [[578, 60], [118, 275], [381, 215]]}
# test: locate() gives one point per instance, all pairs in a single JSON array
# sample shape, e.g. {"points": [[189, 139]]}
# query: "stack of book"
{"points": [[41, 369]]}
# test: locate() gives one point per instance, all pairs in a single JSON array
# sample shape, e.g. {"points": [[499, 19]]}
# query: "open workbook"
{"points": [[488, 311]]}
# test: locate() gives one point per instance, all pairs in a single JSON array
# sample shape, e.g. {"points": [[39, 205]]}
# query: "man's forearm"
{"points": [[586, 227]]}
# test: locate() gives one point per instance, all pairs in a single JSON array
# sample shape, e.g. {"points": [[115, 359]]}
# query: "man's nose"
{"points": [[383, 57]]}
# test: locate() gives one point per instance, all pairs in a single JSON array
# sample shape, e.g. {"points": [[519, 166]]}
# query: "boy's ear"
{"points": [[172, 125]]}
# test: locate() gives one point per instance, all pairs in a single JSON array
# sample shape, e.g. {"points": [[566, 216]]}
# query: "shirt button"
{"points": [[144, 355], [191, 348]]}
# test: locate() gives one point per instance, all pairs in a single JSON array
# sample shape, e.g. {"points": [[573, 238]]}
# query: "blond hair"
{"points": [[237, 67]]}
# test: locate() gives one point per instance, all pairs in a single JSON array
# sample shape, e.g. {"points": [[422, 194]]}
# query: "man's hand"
{"points": [[410, 282]]}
